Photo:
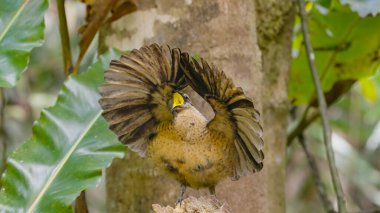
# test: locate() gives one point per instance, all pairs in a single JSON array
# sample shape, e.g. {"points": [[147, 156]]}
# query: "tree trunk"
{"points": [[229, 34]]}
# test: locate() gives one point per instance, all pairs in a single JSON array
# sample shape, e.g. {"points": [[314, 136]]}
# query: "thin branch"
{"points": [[306, 120], [339, 88], [92, 27], [323, 109], [77, 64], [321, 189], [65, 39], [2, 131]]}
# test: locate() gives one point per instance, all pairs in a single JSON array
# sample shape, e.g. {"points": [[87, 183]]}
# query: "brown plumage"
{"points": [[144, 106]]}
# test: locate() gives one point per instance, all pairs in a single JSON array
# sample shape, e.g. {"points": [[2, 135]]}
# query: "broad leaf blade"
{"points": [[21, 30], [70, 145], [346, 47]]}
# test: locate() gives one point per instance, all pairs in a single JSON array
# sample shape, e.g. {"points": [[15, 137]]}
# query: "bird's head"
{"points": [[179, 102]]}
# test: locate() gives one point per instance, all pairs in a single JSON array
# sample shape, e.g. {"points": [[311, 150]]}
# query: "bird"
{"points": [[144, 104]]}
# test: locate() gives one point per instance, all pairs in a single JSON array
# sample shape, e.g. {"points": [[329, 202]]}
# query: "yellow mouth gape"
{"points": [[177, 100]]}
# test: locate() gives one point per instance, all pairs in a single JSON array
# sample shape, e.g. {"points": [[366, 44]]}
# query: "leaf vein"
{"points": [[61, 164]]}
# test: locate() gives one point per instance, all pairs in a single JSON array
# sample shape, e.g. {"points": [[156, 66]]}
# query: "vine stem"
{"points": [[321, 189], [323, 110], [65, 38], [2, 131]]}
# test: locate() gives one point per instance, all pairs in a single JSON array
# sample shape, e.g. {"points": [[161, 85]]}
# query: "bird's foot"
{"points": [[181, 195], [178, 202]]}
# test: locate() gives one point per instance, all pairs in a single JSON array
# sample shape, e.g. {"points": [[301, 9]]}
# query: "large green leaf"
{"points": [[346, 47], [70, 145], [21, 30]]}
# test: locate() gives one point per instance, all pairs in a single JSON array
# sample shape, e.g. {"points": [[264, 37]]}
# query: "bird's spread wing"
{"points": [[136, 93], [235, 114]]}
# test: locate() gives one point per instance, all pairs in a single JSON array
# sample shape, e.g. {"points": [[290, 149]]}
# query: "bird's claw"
{"points": [[181, 195], [179, 201]]}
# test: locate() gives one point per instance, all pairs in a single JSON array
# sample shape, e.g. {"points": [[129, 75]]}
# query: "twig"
{"points": [[323, 109], [2, 131], [306, 120], [339, 88], [65, 39], [321, 189]]}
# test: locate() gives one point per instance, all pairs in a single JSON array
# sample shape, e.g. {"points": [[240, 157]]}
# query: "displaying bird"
{"points": [[144, 105]]}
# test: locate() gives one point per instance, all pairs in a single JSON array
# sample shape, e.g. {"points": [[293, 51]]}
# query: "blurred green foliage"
{"points": [[346, 46], [346, 41], [21, 30]]}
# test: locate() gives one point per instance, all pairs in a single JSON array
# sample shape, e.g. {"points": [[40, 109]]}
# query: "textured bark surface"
{"points": [[275, 26], [224, 33]]}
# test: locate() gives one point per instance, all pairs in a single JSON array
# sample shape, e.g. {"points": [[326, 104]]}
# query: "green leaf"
{"points": [[323, 3], [21, 30], [364, 7], [368, 89], [345, 46], [70, 145]]}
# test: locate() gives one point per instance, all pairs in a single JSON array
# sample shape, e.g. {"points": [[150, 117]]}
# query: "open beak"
{"points": [[177, 100]]}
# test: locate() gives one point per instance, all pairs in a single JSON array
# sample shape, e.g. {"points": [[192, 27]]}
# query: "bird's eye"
{"points": [[186, 97]]}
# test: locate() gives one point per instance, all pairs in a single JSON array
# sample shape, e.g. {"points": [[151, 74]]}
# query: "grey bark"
{"points": [[250, 41]]}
